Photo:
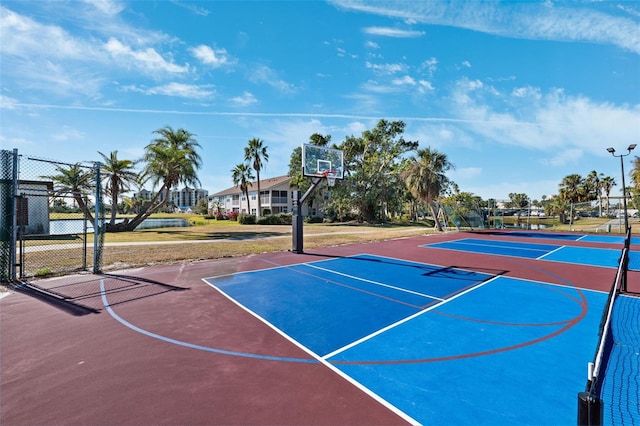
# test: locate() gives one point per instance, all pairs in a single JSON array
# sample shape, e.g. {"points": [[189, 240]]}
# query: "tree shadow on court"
{"points": [[87, 296]]}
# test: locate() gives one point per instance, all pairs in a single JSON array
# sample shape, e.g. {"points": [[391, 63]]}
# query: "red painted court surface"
{"points": [[158, 345]]}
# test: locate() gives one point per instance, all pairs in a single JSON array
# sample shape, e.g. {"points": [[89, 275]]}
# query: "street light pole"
{"points": [[624, 188]]}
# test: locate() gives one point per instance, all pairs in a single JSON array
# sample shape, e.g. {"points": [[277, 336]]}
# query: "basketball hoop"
{"points": [[330, 175]]}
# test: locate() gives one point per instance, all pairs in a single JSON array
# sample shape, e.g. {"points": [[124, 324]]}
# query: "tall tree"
{"points": [[242, 177], [171, 159], [635, 181], [255, 153], [607, 183], [118, 175], [77, 181], [591, 186], [372, 167], [571, 188], [425, 178]]}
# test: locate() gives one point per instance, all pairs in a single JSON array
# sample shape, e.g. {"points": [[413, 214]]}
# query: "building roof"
{"points": [[265, 185]]}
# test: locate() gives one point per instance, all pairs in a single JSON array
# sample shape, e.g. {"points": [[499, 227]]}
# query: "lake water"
{"points": [[61, 227]]}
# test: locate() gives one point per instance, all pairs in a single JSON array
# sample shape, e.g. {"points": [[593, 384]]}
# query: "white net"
{"points": [[331, 176]]}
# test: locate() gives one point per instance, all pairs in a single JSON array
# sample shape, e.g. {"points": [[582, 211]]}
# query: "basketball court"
{"points": [[428, 330], [457, 328]]}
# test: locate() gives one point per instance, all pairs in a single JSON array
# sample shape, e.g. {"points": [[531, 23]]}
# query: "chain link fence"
{"points": [[50, 211]]}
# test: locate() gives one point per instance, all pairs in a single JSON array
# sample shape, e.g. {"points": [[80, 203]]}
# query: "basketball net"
{"points": [[330, 175]]}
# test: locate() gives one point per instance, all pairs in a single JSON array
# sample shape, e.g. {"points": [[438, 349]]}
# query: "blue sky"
{"points": [[517, 94]]}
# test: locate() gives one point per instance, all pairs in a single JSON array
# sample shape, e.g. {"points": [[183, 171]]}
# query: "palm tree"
{"points": [[118, 175], [607, 183], [75, 180], [571, 188], [171, 159], [635, 173], [256, 155], [425, 177], [242, 175]]}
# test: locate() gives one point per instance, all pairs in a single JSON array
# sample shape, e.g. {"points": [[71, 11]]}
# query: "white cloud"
{"points": [[404, 81], [181, 90], [392, 32], [545, 122], [213, 57], [148, 60], [107, 7], [581, 22], [425, 86], [372, 45], [264, 74], [430, 66], [23, 37], [527, 92], [245, 100], [192, 8], [386, 68], [7, 102]]}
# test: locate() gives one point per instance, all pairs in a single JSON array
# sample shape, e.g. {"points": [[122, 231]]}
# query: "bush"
{"points": [[275, 219], [313, 219], [232, 215], [247, 219]]}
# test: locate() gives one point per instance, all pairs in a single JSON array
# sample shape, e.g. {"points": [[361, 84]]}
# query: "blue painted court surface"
{"points": [[591, 238], [602, 257], [441, 345]]}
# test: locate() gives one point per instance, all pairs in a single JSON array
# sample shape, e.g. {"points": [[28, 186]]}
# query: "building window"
{"points": [[279, 197], [264, 197]]}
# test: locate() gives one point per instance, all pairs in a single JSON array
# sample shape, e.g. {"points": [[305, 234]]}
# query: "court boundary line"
{"points": [[551, 252], [315, 356]]}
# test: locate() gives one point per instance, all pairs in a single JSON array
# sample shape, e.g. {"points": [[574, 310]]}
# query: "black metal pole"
{"points": [[624, 195], [296, 232], [297, 225]]}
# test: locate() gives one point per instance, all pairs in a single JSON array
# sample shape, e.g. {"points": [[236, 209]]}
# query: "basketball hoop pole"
{"points": [[296, 232]]}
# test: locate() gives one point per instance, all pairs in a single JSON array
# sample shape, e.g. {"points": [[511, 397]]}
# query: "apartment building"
{"points": [[183, 200], [276, 195]]}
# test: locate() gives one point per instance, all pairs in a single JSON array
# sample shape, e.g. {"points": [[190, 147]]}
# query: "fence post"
{"points": [[8, 235], [98, 232]]}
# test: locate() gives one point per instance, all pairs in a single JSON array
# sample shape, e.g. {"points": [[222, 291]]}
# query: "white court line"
{"points": [[374, 282], [552, 251], [494, 245], [409, 318]]}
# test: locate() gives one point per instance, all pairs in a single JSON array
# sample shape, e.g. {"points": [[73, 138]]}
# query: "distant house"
{"points": [[276, 196], [32, 206]]}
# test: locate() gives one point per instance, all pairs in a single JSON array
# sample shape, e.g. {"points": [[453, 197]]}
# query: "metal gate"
{"points": [[49, 212]]}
